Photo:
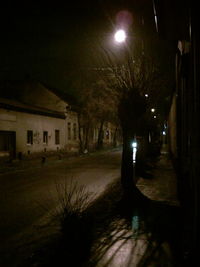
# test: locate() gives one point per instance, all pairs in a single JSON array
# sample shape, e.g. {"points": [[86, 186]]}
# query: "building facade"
{"points": [[26, 130], [36, 120], [184, 116]]}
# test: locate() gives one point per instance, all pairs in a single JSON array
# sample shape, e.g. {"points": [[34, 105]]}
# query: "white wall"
{"points": [[72, 143], [21, 122]]}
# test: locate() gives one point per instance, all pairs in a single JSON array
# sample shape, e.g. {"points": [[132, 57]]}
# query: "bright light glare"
{"points": [[146, 95], [134, 154], [164, 133], [134, 144], [120, 36], [153, 110]]}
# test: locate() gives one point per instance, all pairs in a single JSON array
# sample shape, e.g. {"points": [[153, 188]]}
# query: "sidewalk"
{"points": [[163, 186], [28, 163], [153, 240], [39, 161]]}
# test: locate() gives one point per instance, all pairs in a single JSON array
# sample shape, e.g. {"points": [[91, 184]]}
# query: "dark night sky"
{"points": [[47, 41], [41, 40]]}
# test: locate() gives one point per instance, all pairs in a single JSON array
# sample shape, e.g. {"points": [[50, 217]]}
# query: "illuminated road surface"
{"points": [[27, 197]]}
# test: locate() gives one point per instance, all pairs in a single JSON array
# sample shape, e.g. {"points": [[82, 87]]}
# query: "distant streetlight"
{"points": [[120, 36], [153, 110]]}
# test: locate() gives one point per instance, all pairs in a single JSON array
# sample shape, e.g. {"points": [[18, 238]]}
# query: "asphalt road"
{"points": [[28, 196]]}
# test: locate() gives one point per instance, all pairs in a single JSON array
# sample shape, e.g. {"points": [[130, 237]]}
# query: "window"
{"points": [[29, 137], [45, 137], [69, 130], [74, 131], [57, 137]]}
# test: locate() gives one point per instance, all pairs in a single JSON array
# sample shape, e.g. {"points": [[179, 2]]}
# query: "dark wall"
{"points": [[188, 135]]}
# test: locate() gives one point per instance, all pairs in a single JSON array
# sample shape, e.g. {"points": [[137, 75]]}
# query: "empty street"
{"points": [[28, 196]]}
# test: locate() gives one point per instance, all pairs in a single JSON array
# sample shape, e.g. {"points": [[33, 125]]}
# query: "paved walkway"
{"points": [[30, 163], [34, 162], [163, 186], [158, 244], [39, 161]]}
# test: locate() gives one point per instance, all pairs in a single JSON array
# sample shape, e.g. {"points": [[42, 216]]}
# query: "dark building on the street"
{"points": [[178, 22]]}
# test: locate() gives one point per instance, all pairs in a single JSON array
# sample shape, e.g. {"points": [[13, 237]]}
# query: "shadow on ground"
{"points": [[111, 233], [148, 235]]}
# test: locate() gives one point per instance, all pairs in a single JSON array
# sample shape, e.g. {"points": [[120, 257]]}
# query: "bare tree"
{"points": [[95, 107], [128, 83], [117, 90]]}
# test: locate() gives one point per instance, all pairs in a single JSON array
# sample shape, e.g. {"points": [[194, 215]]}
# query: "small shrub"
{"points": [[73, 199], [76, 225]]}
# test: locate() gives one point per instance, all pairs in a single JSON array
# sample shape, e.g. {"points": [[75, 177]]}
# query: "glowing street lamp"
{"points": [[120, 36], [153, 110]]}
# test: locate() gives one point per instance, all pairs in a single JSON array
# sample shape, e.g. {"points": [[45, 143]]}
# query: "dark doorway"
{"points": [[8, 144]]}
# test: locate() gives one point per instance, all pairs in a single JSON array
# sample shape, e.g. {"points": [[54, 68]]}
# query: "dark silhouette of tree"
{"points": [[115, 90], [128, 82]]}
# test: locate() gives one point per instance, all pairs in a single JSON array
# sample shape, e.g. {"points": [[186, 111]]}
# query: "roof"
{"points": [[61, 94], [26, 91], [15, 105]]}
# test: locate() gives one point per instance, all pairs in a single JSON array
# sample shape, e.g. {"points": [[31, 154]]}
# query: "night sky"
{"points": [[48, 41]]}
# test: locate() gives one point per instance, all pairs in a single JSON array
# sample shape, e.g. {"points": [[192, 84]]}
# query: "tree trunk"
{"points": [[128, 180], [100, 136], [79, 134], [127, 170], [87, 128], [130, 110], [115, 138]]}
